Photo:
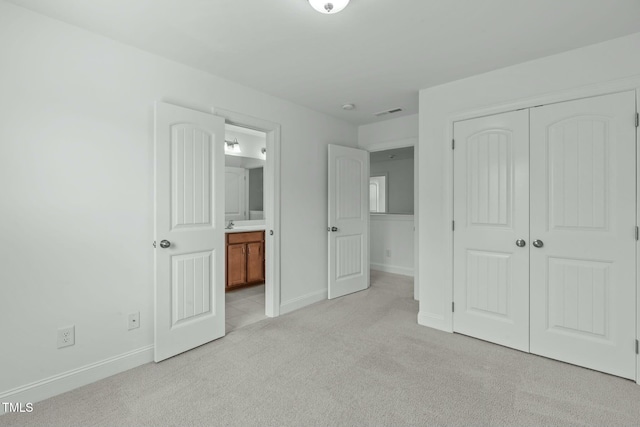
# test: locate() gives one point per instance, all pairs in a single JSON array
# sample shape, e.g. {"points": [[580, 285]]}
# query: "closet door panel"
{"points": [[583, 203], [491, 212]]}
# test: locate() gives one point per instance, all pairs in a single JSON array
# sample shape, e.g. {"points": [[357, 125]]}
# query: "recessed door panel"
{"points": [[577, 151], [579, 297], [488, 285], [348, 188], [348, 256], [491, 212], [489, 168], [583, 214], [190, 176], [191, 286]]}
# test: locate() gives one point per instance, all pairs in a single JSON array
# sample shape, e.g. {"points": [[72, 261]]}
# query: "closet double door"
{"points": [[545, 231]]}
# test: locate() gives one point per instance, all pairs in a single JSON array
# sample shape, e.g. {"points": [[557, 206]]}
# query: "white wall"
{"points": [[243, 162], [392, 243], [565, 75], [250, 145], [393, 130], [76, 166]]}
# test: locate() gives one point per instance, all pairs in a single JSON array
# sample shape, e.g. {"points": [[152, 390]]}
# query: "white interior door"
{"points": [[348, 220], [235, 182], [189, 229], [583, 210], [491, 213]]}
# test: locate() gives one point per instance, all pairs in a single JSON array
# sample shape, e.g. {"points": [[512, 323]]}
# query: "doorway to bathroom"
{"points": [[245, 226]]}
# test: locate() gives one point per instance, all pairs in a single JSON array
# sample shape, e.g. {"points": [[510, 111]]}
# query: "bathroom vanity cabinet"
{"points": [[245, 258]]}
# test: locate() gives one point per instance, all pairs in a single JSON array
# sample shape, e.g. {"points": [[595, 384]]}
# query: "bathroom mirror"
{"points": [[244, 189], [391, 181], [245, 159]]}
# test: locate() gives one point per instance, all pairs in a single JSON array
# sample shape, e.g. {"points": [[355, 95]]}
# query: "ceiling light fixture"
{"points": [[328, 7], [349, 107], [232, 146]]}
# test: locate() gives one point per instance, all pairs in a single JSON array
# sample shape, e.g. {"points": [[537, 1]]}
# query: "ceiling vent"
{"points": [[384, 113]]}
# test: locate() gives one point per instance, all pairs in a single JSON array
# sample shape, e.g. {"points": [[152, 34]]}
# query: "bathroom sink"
{"points": [[242, 228]]}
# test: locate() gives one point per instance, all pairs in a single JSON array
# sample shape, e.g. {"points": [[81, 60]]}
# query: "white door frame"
{"points": [[403, 143], [604, 88], [271, 202]]}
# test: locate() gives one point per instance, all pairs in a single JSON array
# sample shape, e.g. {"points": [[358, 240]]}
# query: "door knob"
{"points": [[164, 244], [520, 243], [538, 243], [334, 229]]}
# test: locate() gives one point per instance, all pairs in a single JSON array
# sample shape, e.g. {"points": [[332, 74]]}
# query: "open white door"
{"points": [[189, 229], [348, 220]]}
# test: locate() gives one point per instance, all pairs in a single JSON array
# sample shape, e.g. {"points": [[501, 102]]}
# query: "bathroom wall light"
{"points": [[328, 7], [232, 146]]}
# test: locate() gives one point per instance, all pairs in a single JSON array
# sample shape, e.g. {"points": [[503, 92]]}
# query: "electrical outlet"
{"points": [[66, 336], [134, 320], [388, 253]]}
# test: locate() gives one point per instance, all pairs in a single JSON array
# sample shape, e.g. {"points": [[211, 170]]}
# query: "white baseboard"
{"points": [[404, 271], [303, 301], [433, 321], [79, 377]]}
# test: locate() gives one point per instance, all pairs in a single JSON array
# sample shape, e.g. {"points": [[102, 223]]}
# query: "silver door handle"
{"points": [[164, 244], [520, 243], [538, 243]]}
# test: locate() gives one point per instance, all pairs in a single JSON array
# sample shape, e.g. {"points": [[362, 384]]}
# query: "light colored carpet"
{"points": [[357, 360]]}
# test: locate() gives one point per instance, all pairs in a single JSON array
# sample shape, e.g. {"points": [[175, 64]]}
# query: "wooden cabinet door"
{"points": [[236, 265], [255, 262]]}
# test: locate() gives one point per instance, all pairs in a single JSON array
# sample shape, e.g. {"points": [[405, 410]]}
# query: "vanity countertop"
{"points": [[245, 228]]}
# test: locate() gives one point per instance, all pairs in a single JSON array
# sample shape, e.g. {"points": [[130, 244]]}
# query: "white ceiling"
{"points": [[376, 54]]}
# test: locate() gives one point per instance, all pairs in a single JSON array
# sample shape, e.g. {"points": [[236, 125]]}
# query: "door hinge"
{"points": [[453, 307], [154, 243], [453, 226], [453, 144], [637, 347], [637, 119], [637, 233]]}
